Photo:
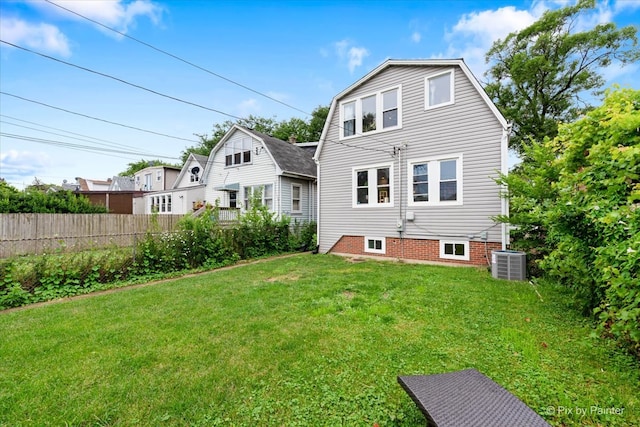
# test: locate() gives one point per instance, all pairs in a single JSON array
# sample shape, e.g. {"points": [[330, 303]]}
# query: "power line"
{"points": [[121, 80], [164, 52], [96, 118], [80, 147], [95, 140], [180, 59]]}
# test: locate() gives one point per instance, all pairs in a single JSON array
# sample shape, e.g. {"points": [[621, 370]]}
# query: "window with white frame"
{"points": [[195, 171], [374, 112], [375, 245], [454, 249], [267, 196], [296, 195], [237, 151], [161, 203], [436, 181], [264, 192], [159, 176], [439, 90], [372, 186]]}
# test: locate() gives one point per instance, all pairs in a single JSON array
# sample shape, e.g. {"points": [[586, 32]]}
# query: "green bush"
{"points": [[585, 221], [198, 242]]}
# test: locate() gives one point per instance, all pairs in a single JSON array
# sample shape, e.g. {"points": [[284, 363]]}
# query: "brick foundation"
{"points": [[417, 249]]}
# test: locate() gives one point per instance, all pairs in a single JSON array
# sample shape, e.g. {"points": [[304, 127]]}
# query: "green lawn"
{"points": [[304, 340]]}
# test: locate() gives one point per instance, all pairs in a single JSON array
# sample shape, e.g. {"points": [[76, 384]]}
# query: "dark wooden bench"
{"points": [[467, 398]]}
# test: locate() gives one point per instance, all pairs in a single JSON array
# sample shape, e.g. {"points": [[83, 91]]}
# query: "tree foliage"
{"points": [[302, 130], [578, 196], [135, 167], [539, 75], [33, 200]]}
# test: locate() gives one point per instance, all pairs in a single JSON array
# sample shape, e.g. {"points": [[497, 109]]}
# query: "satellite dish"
{"points": [[195, 170]]}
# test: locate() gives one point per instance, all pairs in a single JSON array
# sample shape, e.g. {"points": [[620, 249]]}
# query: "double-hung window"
{"points": [[436, 181], [372, 186], [237, 151], [439, 89], [296, 194], [371, 113], [267, 196], [263, 194]]}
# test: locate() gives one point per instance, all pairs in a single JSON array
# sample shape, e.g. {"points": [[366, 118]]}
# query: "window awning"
{"points": [[228, 187]]}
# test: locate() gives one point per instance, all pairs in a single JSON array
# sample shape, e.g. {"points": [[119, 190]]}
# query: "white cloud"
{"points": [[356, 55], [351, 54], [20, 165], [44, 37], [622, 5], [116, 14], [416, 37], [247, 107], [474, 33]]}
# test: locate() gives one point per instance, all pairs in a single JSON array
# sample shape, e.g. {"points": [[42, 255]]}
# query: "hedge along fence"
{"points": [[33, 234], [197, 242]]}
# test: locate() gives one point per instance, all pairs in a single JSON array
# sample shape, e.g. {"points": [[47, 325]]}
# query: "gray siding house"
{"points": [[245, 161], [406, 166]]}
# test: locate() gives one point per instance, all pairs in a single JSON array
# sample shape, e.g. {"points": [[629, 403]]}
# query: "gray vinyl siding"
{"points": [[307, 199], [467, 127]]}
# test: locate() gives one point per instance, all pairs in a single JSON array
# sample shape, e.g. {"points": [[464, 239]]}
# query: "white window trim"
{"points": [[230, 145], [452, 91], [375, 251], [379, 113], [299, 200], [465, 257], [434, 187], [354, 187]]}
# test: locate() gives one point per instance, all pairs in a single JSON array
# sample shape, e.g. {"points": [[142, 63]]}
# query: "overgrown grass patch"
{"points": [[303, 340]]}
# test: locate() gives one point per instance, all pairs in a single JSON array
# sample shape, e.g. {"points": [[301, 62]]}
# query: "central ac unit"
{"points": [[510, 265]]}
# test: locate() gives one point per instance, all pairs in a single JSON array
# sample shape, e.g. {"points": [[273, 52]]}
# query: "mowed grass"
{"points": [[311, 340]]}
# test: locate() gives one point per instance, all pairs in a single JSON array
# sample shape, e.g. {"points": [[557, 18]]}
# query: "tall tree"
{"points": [[302, 130], [540, 75], [207, 143], [134, 167]]}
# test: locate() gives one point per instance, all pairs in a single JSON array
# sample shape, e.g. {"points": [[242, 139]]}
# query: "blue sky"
{"points": [[299, 52]]}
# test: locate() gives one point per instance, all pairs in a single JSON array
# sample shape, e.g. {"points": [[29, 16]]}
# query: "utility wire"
{"points": [[83, 137], [79, 146], [164, 52], [96, 118], [180, 59], [121, 80]]}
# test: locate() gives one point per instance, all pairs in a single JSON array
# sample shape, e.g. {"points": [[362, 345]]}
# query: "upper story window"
{"points": [[159, 175], [237, 151], [372, 186], [439, 89], [371, 113], [436, 181], [195, 174]]}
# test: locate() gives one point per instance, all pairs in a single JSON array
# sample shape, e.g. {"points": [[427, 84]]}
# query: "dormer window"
{"points": [[372, 113], [237, 151]]}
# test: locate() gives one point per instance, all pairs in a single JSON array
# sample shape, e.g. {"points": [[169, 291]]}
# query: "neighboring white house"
{"points": [[245, 161], [187, 187], [157, 180], [407, 162]]}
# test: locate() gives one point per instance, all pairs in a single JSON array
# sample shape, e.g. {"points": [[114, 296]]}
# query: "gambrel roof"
{"points": [[289, 159], [413, 62]]}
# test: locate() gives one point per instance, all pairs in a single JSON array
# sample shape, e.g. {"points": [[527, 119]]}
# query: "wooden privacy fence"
{"points": [[22, 234]]}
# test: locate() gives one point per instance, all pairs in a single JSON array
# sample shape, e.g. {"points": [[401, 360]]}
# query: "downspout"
{"points": [[504, 202], [318, 205]]}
